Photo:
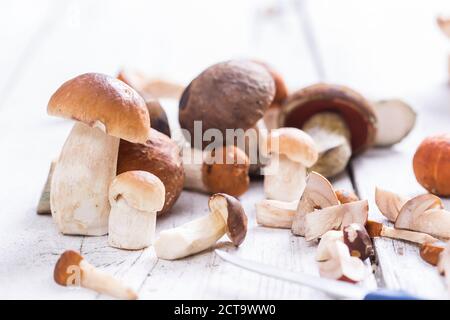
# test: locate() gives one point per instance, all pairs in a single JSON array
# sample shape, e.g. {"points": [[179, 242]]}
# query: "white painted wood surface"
{"points": [[173, 40]]}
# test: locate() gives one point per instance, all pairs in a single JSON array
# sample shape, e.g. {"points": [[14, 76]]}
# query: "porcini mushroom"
{"points": [[425, 213], [160, 122], [224, 169], [358, 241], [135, 198], [340, 121], [106, 109], [389, 203], [275, 213], [290, 152], [226, 216], [72, 269], [376, 229], [432, 164], [161, 157], [430, 253], [318, 194]]}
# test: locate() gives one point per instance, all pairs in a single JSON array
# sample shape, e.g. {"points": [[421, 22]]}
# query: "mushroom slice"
{"points": [[318, 194], [345, 196], [135, 197], [430, 253], [395, 120], [425, 213], [376, 229], [389, 203], [226, 216], [275, 214], [335, 217], [72, 269], [358, 241], [322, 253], [341, 265]]}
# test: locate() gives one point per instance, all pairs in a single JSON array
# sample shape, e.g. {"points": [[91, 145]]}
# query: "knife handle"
{"points": [[390, 295]]}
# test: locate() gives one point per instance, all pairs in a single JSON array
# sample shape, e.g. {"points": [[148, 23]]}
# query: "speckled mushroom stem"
{"points": [[332, 137]]}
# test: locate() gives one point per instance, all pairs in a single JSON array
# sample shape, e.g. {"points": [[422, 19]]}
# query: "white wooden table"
{"points": [[381, 48]]}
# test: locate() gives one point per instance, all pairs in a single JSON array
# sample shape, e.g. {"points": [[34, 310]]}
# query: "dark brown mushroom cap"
{"points": [[228, 95], [356, 111], [281, 91], [232, 211], [161, 157], [358, 241], [65, 265], [158, 116]]}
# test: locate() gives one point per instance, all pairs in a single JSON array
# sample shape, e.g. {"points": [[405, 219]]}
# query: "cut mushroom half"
{"points": [[222, 170], [425, 213], [72, 269], [389, 203], [318, 194], [376, 229], [106, 110], [275, 213], [135, 198], [290, 152], [395, 120], [226, 216]]}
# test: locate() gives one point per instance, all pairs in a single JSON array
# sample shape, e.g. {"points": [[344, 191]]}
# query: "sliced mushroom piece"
{"points": [[345, 196], [72, 269], [358, 241], [276, 214], [376, 229], [323, 253], [135, 198], [336, 217], [389, 203], [106, 110], [222, 170], [226, 216], [318, 194], [395, 120], [290, 152], [425, 213], [430, 253], [341, 265]]}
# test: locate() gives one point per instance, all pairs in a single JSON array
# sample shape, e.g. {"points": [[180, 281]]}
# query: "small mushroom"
{"points": [[395, 120], [275, 213], [358, 241], [161, 157], [318, 194], [106, 110], [430, 253], [221, 170], [335, 217], [323, 253], [431, 164], [341, 265], [376, 229], [345, 196], [226, 216], [72, 269], [135, 197], [340, 121], [389, 203], [425, 213], [290, 152]]}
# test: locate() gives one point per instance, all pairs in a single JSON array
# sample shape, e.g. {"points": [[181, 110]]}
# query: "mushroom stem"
{"points": [[376, 229], [276, 214], [332, 137], [79, 188], [190, 238], [130, 228]]}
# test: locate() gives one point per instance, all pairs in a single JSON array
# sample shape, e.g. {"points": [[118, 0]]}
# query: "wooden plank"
{"points": [[379, 51]]}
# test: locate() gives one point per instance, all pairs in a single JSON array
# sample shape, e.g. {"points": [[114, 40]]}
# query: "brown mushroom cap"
{"points": [[228, 95], [430, 253], [94, 98], [358, 241], [356, 111], [158, 116], [161, 157], [281, 91], [66, 261], [230, 176], [233, 213]]}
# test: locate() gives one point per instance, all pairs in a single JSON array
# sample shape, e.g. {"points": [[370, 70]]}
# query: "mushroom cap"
{"points": [[67, 260], [158, 116], [358, 241], [229, 174], [140, 189], [430, 253], [356, 111], [161, 157], [233, 214], [431, 164], [294, 143], [102, 101], [228, 95], [281, 91]]}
